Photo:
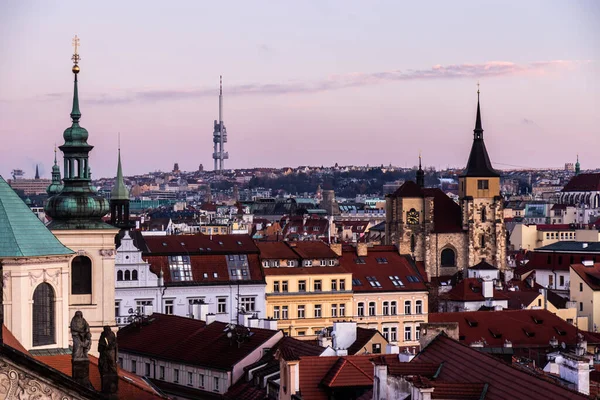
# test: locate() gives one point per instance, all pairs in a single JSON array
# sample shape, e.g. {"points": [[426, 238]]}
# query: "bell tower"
{"points": [[481, 204]]}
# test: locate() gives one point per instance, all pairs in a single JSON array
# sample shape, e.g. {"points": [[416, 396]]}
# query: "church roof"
{"points": [[479, 164], [583, 183], [22, 234]]}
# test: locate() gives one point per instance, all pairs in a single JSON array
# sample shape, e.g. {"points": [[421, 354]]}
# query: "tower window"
{"points": [[448, 258], [483, 214], [482, 241], [483, 184], [43, 315], [81, 275]]}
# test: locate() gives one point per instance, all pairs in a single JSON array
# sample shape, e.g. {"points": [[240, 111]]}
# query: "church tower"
{"points": [[119, 201], [77, 212], [56, 186], [481, 204]]}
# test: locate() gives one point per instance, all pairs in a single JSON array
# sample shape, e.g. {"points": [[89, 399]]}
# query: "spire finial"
{"points": [[54, 153], [119, 141], [478, 131], [75, 113], [478, 89], [75, 57], [220, 84], [419, 159]]}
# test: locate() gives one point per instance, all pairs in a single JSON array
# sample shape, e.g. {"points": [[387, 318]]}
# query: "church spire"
{"points": [[479, 164], [119, 191], [577, 166], [56, 185], [37, 172], [420, 174]]}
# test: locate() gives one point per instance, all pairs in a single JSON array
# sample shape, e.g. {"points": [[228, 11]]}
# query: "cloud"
{"points": [[337, 82]]}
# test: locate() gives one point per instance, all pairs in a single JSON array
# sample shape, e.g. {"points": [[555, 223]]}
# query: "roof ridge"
{"points": [[360, 369]]}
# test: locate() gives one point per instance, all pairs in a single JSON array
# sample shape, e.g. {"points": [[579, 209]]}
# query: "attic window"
{"points": [[537, 321], [396, 281], [471, 322], [221, 243], [528, 333], [239, 243], [359, 260], [412, 278], [215, 275], [356, 282], [496, 334], [201, 249], [164, 244], [208, 249], [381, 260], [560, 331], [373, 281], [205, 275]]}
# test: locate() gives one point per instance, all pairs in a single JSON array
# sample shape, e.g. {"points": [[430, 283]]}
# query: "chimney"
{"points": [[244, 319], [430, 330], [270, 323], [487, 289], [210, 318], [341, 352], [253, 322], [362, 249], [336, 248], [344, 334], [391, 348], [573, 369], [406, 356]]}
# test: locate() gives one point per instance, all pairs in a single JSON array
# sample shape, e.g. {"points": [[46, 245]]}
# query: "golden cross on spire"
{"points": [[75, 57]]}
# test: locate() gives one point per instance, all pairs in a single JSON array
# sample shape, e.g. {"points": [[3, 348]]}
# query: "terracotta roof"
{"points": [[363, 336], [189, 341], [519, 299], [590, 275], [131, 386], [312, 249], [504, 381], [381, 263], [408, 189], [470, 289], [204, 268], [276, 250], [304, 271], [483, 266], [10, 340], [554, 227], [583, 183], [314, 370], [200, 244], [243, 390], [524, 328]]}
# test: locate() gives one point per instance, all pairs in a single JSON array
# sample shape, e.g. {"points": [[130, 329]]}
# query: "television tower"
{"points": [[220, 134]]}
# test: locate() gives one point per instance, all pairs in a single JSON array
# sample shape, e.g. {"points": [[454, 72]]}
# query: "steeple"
{"points": [[119, 191], [577, 166], [37, 172], [479, 164], [77, 206], [56, 186], [420, 174]]}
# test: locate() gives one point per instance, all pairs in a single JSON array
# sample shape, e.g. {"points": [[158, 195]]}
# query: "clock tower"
{"points": [[481, 204]]}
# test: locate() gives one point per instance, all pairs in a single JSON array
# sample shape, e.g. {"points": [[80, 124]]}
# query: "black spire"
{"points": [[37, 172], [420, 175], [479, 164]]}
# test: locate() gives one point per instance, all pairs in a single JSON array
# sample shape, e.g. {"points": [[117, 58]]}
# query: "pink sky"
{"points": [[313, 83]]}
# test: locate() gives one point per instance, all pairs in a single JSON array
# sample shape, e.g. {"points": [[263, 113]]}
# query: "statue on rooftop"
{"points": [[107, 362], [82, 338]]}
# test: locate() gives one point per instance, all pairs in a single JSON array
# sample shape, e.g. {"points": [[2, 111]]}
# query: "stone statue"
{"points": [[107, 362], [82, 338]]}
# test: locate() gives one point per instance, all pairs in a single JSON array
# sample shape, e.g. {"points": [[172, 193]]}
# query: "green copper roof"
{"points": [[56, 186], [119, 191], [22, 234]]}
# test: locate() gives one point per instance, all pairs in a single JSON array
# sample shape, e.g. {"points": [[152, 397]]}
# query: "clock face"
{"points": [[412, 217]]}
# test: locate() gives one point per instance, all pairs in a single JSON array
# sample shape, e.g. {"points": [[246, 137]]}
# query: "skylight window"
{"points": [[373, 281], [180, 268], [396, 281], [381, 260], [356, 282], [359, 260], [412, 278]]}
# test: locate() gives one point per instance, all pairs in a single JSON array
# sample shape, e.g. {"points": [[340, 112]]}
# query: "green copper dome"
{"points": [[76, 205]]}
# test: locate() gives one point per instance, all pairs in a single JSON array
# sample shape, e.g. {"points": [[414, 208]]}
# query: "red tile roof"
{"points": [[313, 371], [209, 265], [200, 244], [590, 275], [276, 251], [381, 262], [304, 271], [464, 365], [583, 183], [10, 340], [554, 227], [523, 328], [312, 249], [189, 341], [470, 289], [131, 386]]}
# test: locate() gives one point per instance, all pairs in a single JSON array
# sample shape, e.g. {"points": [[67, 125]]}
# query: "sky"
{"points": [[305, 83]]}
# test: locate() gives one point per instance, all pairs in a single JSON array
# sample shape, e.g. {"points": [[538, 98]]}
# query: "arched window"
{"points": [[393, 308], [81, 275], [127, 275], [43, 323], [134, 275], [407, 307], [483, 214], [386, 308], [119, 275], [448, 258]]}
